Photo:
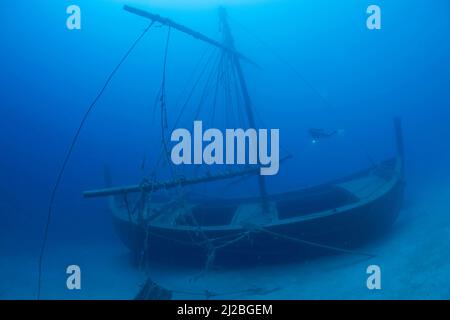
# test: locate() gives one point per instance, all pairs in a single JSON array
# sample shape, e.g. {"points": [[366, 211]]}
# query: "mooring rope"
{"points": [[69, 154], [316, 244], [295, 71], [210, 294], [164, 121]]}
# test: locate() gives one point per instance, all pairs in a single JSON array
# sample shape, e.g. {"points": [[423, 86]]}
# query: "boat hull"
{"points": [[337, 230]]}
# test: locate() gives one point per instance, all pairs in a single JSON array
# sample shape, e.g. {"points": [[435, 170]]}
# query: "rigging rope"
{"points": [[69, 154], [164, 124], [159, 159], [205, 92], [297, 73], [239, 98], [216, 92], [197, 81], [285, 62]]}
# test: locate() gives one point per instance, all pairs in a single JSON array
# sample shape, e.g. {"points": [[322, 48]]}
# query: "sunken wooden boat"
{"points": [[330, 218], [335, 217]]}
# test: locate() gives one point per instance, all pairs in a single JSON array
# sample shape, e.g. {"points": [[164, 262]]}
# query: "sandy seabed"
{"points": [[414, 259]]}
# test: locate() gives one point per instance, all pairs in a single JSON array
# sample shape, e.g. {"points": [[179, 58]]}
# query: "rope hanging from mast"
{"points": [[70, 151], [162, 99]]}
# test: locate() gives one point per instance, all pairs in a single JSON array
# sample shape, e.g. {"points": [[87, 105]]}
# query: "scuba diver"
{"points": [[320, 134]]}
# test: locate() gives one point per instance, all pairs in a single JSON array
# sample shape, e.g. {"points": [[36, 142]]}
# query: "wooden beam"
{"points": [[155, 186], [186, 30]]}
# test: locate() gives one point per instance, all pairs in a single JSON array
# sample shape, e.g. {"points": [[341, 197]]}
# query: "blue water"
{"points": [[318, 67]]}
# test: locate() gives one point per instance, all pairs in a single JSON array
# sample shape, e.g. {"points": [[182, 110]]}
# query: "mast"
{"points": [[229, 43]]}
